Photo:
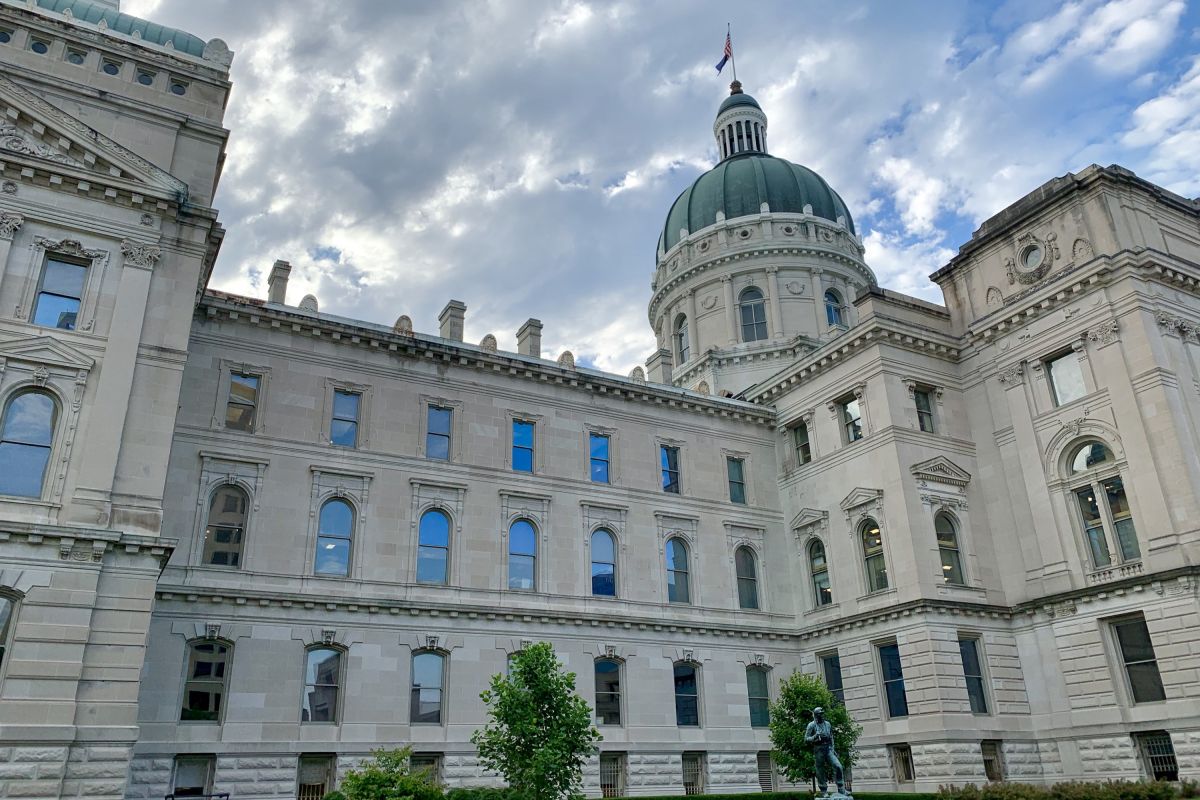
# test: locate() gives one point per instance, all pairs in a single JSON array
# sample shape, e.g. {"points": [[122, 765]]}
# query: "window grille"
{"points": [[429, 763], [902, 763], [612, 775], [314, 777], [1158, 754], [693, 773], [766, 773], [993, 760]]}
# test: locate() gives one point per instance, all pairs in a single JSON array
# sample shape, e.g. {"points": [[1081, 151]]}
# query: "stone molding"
{"points": [[88, 546], [940, 469], [9, 223], [140, 254]]}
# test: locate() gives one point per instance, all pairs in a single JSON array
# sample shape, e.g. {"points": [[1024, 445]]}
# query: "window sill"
{"points": [[877, 593], [825, 609], [1116, 572]]}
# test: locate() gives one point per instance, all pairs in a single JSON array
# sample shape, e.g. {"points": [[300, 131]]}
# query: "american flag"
{"points": [[728, 53]]}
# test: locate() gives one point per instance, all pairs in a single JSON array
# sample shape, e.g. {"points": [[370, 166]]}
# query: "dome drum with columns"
{"points": [[758, 262]]}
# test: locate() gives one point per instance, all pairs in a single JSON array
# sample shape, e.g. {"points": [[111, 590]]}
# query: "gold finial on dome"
{"points": [[735, 87]]}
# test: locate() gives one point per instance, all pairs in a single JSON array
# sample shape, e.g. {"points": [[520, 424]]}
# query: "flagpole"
{"points": [[732, 58]]}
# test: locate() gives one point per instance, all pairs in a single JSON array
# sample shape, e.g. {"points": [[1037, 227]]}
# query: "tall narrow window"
{"points": [[687, 695], [903, 769], [598, 447], [241, 408], [226, 527], [1066, 378], [8, 613], [522, 446], [612, 774], [314, 777], [1137, 654], [968, 649], [1103, 505], [204, 689], [924, 403], [693, 763], [669, 458], [26, 436], [678, 590], [522, 556], [803, 445], [604, 564], [1158, 755], [872, 544], [735, 469], [766, 771], [851, 414], [608, 692], [322, 684], [833, 308], [428, 673], [683, 345], [822, 592], [746, 567], [437, 432], [59, 294], [334, 533], [831, 670], [192, 777], [343, 425], [433, 548], [754, 315], [760, 697], [947, 540], [993, 759], [893, 680]]}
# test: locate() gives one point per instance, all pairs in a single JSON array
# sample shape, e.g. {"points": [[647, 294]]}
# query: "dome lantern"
{"points": [[741, 125]]}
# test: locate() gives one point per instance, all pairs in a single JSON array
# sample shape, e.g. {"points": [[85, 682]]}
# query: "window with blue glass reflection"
{"points": [[598, 446], [522, 556], [322, 685], [687, 696], [343, 427], [669, 457], [429, 670], [522, 446], [26, 435], [334, 532], [437, 433], [893, 680], [433, 548], [58, 298], [678, 588], [604, 564]]}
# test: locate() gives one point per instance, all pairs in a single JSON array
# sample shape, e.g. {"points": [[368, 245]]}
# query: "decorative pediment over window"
{"points": [[940, 469], [45, 350], [810, 521], [862, 502]]}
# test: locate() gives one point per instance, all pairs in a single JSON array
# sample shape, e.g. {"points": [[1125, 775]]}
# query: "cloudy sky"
{"points": [[521, 156]]}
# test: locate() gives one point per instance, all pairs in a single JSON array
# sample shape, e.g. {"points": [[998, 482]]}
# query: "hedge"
{"points": [[1112, 790], [503, 794]]}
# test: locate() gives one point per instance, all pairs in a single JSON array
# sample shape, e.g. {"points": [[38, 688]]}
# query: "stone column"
{"points": [[818, 294], [730, 311], [693, 324], [773, 302]]}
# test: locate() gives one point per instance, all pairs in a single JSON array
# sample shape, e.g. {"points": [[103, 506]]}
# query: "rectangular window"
{"points": [[968, 649], [1093, 527], [428, 763], [803, 445], [314, 777], [993, 759], [693, 773], [831, 669], [737, 480], [8, 610], [437, 432], [1158, 755], [612, 774], [924, 409], [1066, 378], [343, 426], [766, 772], [59, 294], [243, 402], [893, 680], [902, 763], [1137, 654], [193, 776], [851, 414], [522, 446], [1122, 517], [669, 457], [598, 452]]}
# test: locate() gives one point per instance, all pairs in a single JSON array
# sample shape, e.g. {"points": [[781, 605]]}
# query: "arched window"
{"points": [[687, 695], [335, 529], [608, 691], [322, 684], [872, 544], [604, 564], [833, 308], [522, 556], [8, 620], [428, 675], [760, 697], [947, 539], [822, 591], [1104, 508], [754, 315], [683, 346], [26, 435], [747, 577], [226, 529], [433, 548], [204, 687], [678, 590]]}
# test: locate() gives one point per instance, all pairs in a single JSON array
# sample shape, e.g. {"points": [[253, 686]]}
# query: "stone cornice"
{"points": [[88, 545], [218, 305]]}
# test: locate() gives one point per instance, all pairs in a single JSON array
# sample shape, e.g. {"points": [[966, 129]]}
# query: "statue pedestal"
{"points": [[834, 794]]}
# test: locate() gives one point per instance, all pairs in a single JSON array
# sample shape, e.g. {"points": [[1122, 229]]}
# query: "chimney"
{"points": [[277, 282], [529, 338], [451, 320], [659, 367]]}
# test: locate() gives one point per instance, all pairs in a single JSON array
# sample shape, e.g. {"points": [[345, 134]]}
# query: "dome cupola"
{"points": [[741, 125]]}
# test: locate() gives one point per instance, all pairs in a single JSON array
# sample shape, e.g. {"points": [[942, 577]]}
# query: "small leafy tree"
{"points": [[540, 733], [388, 776], [790, 715]]}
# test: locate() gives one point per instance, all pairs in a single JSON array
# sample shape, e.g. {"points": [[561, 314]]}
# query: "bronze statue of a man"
{"points": [[819, 734]]}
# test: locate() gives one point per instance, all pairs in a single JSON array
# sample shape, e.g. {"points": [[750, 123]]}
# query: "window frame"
{"points": [[338, 388], [803, 450], [835, 313], [753, 579], [668, 559], [901, 758], [453, 439], [681, 338], [330, 769], [209, 771], [9, 630], [67, 260], [593, 460], [533, 556], [851, 425], [880, 647], [514, 447], [1047, 364], [976, 642], [997, 746], [622, 781], [414, 705], [813, 543], [188, 663], [823, 662], [616, 572], [1112, 624], [926, 417], [208, 525], [757, 307], [56, 405], [339, 694], [349, 538], [695, 668], [740, 461], [698, 757], [953, 553], [665, 449], [1143, 741], [449, 546], [765, 699], [868, 555], [620, 692], [1097, 480]]}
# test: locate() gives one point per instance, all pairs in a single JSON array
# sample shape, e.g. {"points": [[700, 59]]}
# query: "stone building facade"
{"points": [[244, 542]]}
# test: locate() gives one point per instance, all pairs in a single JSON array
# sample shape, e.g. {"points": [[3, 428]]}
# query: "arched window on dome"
{"points": [[683, 347], [1103, 505], [754, 315], [26, 436], [741, 136], [833, 308]]}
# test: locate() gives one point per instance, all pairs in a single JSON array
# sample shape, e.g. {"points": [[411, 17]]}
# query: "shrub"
{"points": [[1073, 790], [386, 776], [334, 795]]}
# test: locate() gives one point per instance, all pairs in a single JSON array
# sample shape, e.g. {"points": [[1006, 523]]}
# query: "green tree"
{"points": [[387, 776], [540, 733], [790, 715]]}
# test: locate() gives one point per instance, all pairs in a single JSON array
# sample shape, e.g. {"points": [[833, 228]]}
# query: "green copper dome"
{"points": [[88, 11], [739, 99], [739, 186]]}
